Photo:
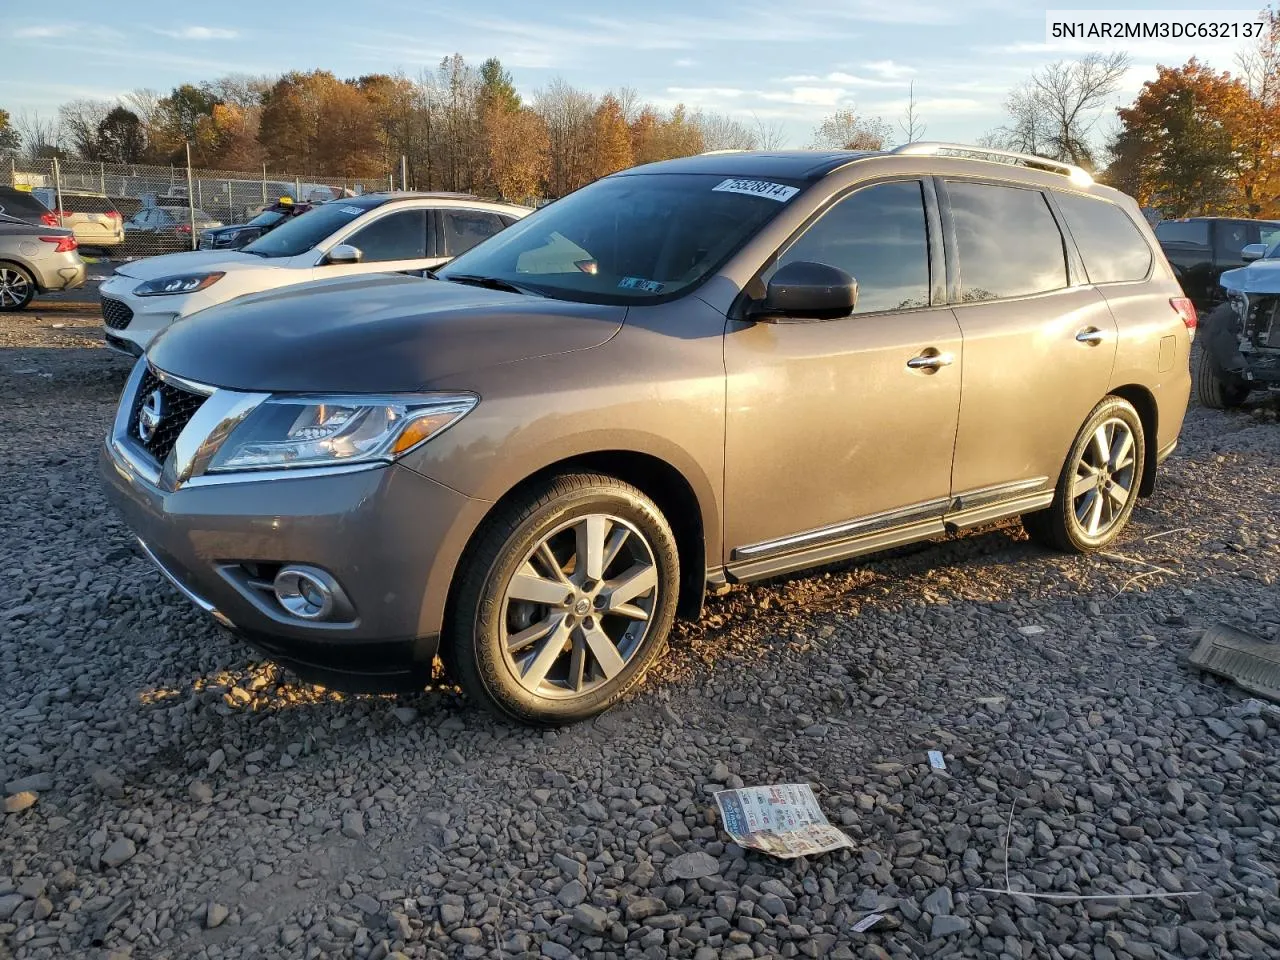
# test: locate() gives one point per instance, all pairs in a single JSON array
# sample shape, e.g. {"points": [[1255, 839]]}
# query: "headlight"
{"points": [[311, 431], [183, 283]]}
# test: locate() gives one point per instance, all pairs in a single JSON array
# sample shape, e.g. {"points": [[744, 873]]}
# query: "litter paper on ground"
{"points": [[783, 820]]}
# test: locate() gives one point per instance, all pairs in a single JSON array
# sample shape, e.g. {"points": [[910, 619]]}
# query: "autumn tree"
{"points": [[722, 132], [846, 129], [610, 137], [655, 136], [1179, 143], [315, 123], [515, 144], [911, 125], [396, 103], [1260, 146]]}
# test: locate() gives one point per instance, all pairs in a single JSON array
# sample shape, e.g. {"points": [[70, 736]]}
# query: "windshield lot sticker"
{"points": [[757, 188], [639, 283]]}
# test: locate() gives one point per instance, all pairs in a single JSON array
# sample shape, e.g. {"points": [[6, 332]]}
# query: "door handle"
{"points": [[931, 361], [1091, 335]]}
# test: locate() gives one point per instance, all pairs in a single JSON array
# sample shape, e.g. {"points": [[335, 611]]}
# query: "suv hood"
{"points": [[376, 333], [1261, 276], [193, 261]]}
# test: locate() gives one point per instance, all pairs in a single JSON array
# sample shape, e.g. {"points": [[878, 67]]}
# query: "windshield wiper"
{"points": [[490, 283]]}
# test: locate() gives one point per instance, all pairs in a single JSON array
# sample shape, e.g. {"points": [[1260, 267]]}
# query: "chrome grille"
{"points": [[116, 314], [177, 407]]}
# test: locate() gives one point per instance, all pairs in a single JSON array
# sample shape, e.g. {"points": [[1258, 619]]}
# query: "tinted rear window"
{"points": [[75, 204], [1183, 231], [1111, 245], [18, 203], [1009, 243]]}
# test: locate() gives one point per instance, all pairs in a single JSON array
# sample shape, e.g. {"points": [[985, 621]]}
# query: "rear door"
{"points": [[461, 229], [1039, 340]]}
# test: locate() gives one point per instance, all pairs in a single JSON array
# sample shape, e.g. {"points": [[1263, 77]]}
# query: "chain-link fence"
{"points": [[135, 210]]}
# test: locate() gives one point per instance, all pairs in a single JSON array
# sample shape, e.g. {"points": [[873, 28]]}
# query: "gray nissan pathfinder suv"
{"points": [[712, 369]]}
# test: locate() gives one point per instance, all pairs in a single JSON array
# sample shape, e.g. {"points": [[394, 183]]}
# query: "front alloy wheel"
{"points": [[579, 607], [16, 287], [563, 600]]}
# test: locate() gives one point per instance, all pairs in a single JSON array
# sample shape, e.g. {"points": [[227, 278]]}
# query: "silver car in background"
{"points": [[36, 259]]}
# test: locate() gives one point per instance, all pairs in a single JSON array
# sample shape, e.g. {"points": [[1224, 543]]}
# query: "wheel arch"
{"points": [[28, 269], [1144, 402], [658, 479]]}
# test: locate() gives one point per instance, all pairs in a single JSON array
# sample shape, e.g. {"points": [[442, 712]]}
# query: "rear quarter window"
{"points": [[1195, 232], [1112, 247]]}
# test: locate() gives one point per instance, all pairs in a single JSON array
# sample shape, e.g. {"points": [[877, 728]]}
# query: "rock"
{"points": [[692, 866], [121, 851], [366, 904], [9, 904], [589, 919], [353, 824], [572, 894], [468, 936], [644, 907], [405, 715], [17, 802], [36, 783], [1191, 943], [216, 759], [214, 914], [938, 903], [957, 839], [945, 926], [108, 783], [200, 791]]}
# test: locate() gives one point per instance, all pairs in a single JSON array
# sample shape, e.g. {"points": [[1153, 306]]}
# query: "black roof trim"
{"points": [[803, 165]]}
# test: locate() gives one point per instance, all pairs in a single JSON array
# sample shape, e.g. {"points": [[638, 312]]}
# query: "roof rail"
{"points": [[926, 148], [709, 153]]}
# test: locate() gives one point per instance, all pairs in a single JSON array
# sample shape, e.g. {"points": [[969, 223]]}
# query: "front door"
{"points": [[1039, 342], [393, 243], [840, 430]]}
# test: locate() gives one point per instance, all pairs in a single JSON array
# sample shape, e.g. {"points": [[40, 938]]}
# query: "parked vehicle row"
{"points": [[374, 233], [721, 368], [238, 235], [35, 259]]}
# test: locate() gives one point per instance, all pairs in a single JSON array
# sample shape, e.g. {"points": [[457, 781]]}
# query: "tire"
{"points": [[538, 537], [17, 287], [1215, 388], [1076, 522]]}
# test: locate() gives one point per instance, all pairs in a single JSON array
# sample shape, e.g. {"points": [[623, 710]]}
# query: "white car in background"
{"points": [[375, 233]]}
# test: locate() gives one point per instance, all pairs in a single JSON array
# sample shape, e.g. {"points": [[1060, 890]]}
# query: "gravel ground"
{"points": [[173, 796]]}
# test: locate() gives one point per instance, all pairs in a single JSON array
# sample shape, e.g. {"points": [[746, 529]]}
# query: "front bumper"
{"points": [[388, 535]]}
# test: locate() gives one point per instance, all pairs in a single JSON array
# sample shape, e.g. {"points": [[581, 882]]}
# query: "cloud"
{"points": [[889, 69], [685, 62], [198, 33], [807, 96], [849, 80], [43, 33]]}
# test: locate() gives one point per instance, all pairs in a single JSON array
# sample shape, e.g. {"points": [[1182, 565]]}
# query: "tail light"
{"points": [[64, 244], [49, 219], [184, 228], [1187, 311]]}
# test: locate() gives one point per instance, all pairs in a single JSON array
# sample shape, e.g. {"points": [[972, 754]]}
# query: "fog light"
{"points": [[306, 592]]}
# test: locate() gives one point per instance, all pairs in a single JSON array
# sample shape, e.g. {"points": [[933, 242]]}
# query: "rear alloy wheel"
{"points": [[565, 600], [1098, 488], [17, 287], [1215, 388]]}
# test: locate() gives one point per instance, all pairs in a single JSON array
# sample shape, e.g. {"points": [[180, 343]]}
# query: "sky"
{"points": [[789, 63]]}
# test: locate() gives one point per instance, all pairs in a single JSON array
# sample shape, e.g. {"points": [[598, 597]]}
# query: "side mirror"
{"points": [[1253, 251], [804, 290], [344, 253]]}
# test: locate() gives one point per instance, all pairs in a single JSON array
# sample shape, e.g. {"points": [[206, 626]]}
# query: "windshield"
{"points": [[628, 239], [308, 229], [266, 219]]}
